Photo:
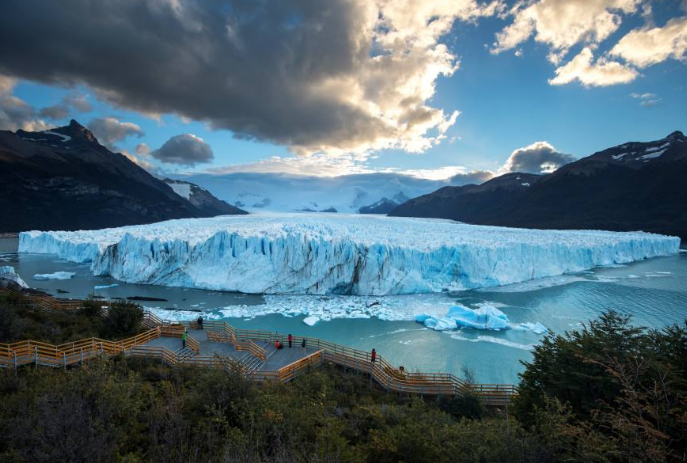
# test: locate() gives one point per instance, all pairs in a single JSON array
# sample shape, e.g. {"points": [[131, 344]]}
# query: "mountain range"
{"points": [[633, 186], [63, 179]]}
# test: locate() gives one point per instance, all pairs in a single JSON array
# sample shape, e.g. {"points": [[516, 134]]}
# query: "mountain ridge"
{"points": [[64, 179], [633, 186]]}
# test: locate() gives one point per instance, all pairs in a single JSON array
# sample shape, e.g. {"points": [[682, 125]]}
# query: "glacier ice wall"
{"points": [[339, 254]]}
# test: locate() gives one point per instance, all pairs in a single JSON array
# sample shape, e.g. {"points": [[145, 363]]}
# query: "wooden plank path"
{"points": [[252, 352]]}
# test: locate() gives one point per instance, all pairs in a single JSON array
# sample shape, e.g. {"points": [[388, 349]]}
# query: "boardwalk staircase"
{"points": [[252, 362]]}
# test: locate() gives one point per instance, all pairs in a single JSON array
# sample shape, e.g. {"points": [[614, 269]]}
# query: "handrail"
{"points": [[253, 348], [381, 371]]}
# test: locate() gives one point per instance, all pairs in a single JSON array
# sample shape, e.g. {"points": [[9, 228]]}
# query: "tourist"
{"points": [[373, 356], [276, 343], [200, 322], [303, 346], [183, 339], [290, 340]]}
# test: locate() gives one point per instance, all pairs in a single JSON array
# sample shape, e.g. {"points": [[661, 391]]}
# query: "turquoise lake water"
{"points": [[654, 292]]}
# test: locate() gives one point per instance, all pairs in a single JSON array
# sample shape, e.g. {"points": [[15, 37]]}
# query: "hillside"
{"points": [[63, 179], [633, 186]]}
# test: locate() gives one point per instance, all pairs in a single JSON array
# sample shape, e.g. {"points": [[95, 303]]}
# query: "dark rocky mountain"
{"points": [[634, 186], [202, 198], [63, 179]]}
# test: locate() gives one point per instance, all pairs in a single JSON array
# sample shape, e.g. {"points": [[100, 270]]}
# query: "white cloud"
{"points": [[646, 99], [110, 130], [561, 24], [15, 113], [648, 46], [593, 74]]}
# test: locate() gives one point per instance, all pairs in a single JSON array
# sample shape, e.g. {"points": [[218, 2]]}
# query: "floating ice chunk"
{"points": [[54, 276], [8, 277], [106, 286], [486, 317], [311, 320], [536, 328], [445, 324]]}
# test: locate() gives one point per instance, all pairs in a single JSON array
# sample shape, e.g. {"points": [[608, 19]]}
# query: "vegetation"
{"points": [[18, 322], [607, 393]]}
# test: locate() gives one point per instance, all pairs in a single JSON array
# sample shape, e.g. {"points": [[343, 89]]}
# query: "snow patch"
{"points": [[65, 138], [182, 189]]}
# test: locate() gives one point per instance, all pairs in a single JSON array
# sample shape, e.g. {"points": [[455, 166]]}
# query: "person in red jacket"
{"points": [[290, 340], [373, 356]]}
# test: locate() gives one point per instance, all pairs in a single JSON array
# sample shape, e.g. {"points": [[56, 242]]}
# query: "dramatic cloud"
{"points": [[109, 131], [593, 74], [538, 158], [475, 177], [561, 24], [69, 104], [15, 113], [185, 149], [644, 47], [335, 76], [646, 99]]}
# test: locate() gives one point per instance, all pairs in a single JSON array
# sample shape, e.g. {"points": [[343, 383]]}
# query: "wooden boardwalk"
{"points": [[252, 352]]}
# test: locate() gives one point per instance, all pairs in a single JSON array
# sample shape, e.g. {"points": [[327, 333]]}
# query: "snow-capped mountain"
{"points": [[202, 198], [63, 179], [260, 192], [633, 186]]}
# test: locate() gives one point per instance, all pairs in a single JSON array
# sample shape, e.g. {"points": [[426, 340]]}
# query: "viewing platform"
{"points": [[250, 352]]}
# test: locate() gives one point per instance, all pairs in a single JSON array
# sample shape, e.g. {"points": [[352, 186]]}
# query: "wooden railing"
{"points": [[253, 348], [40, 353], [45, 302], [383, 372]]}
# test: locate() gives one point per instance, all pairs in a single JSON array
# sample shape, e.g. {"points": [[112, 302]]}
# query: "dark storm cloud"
{"points": [[295, 72], [185, 149], [240, 65], [476, 177], [537, 158], [109, 131]]}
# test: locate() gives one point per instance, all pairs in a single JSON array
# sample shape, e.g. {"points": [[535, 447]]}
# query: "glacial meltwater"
{"points": [[653, 292]]}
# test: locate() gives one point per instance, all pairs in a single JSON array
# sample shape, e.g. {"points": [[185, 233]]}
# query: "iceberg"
{"points": [[10, 279], [311, 321], [339, 254], [486, 317], [54, 276]]}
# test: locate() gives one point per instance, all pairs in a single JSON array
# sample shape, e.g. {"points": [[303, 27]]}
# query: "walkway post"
{"points": [[35, 356], [64, 361]]}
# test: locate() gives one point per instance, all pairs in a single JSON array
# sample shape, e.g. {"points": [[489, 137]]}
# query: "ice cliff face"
{"points": [[346, 254]]}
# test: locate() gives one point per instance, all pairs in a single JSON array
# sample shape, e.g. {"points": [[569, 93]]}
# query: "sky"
{"points": [[433, 89]]}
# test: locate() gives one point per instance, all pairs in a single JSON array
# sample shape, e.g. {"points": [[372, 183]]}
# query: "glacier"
{"points": [[339, 254]]}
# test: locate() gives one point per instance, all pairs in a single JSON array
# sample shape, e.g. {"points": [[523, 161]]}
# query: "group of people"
{"points": [[277, 343], [280, 345]]}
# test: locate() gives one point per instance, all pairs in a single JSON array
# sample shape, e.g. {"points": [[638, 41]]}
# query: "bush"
{"points": [[122, 319]]}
